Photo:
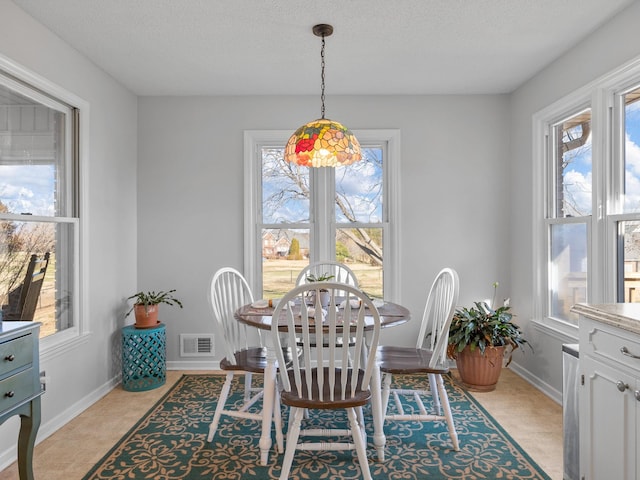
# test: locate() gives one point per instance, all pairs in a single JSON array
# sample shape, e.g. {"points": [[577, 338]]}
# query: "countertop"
{"points": [[621, 315]]}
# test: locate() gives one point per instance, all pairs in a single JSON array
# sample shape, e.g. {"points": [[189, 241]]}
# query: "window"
{"points": [[626, 217], [297, 215], [587, 198], [39, 198], [569, 213]]}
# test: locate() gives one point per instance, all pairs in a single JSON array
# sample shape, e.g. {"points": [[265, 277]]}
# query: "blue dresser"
{"points": [[20, 386]]}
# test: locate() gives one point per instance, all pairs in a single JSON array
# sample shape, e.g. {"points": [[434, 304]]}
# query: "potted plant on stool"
{"points": [[146, 306], [479, 339]]}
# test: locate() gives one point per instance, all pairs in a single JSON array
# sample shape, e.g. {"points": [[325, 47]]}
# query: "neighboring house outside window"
{"points": [[39, 202], [587, 199], [297, 215]]}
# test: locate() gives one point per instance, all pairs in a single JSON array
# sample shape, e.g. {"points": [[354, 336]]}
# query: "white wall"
{"points": [[454, 191], [79, 375], [605, 49]]}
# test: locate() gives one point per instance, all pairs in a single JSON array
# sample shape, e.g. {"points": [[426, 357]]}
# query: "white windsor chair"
{"points": [[317, 378], [229, 291], [429, 357]]}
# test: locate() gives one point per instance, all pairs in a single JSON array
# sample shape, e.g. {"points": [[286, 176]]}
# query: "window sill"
{"points": [[60, 343], [562, 331]]}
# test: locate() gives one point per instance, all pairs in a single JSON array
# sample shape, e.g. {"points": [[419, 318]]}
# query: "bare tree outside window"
{"points": [[572, 207], [287, 199], [37, 200]]}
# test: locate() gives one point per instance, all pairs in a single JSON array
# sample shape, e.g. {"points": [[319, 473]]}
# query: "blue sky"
{"points": [[359, 183], [28, 188], [578, 179]]}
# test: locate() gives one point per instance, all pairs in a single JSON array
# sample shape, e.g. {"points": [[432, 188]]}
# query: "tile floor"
{"points": [[530, 417]]}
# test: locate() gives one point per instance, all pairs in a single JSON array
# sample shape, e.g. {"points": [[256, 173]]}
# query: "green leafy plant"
{"points": [[320, 278], [153, 298], [482, 327]]}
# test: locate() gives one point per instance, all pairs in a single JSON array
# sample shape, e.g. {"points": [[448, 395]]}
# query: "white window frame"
{"points": [[60, 342], [608, 179], [254, 140]]}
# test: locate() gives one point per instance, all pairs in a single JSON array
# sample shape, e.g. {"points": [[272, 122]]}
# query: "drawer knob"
{"points": [[11, 357], [10, 394], [621, 385], [625, 351]]}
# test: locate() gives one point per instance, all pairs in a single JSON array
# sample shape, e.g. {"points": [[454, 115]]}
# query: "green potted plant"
{"points": [[325, 277], [324, 294], [479, 339], [145, 306]]}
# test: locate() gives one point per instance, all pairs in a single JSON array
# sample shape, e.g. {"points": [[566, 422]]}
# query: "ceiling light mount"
{"points": [[322, 30], [323, 142]]}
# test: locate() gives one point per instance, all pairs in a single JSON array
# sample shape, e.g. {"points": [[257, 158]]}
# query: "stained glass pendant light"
{"points": [[323, 142]]}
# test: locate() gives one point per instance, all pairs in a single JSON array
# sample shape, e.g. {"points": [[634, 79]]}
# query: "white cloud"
{"points": [[578, 190], [632, 176], [28, 188]]}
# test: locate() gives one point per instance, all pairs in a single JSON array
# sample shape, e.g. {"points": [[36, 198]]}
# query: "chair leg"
{"points": [[434, 394], [386, 391], [247, 386], [447, 412], [357, 434], [293, 433], [222, 399], [277, 422], [379, 439], [360, 413]]}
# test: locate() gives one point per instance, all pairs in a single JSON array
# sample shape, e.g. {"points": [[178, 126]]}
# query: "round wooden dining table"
{"points": [[391, 314]]}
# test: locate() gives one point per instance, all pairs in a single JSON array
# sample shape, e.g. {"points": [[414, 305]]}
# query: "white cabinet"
{"points": [[609, 400]]}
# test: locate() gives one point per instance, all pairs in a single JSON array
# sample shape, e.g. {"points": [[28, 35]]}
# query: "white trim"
{"points": [[541, 137], [194, 365], [393, 188], [81, 234], [541, 385], [32, 78], [48, 428], [602, 264], [562, 331], [252, 254]]}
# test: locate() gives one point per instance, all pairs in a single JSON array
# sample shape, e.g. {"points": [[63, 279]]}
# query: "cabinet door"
{"points": [[608, 424]]}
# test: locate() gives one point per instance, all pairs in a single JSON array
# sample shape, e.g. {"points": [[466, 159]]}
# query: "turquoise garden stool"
{"points": [[144, 355]]}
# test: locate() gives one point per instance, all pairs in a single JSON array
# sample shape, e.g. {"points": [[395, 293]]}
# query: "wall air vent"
{"points": [[196, 345]]}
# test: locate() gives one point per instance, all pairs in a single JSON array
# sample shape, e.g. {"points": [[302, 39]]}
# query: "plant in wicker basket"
{"points": [[479, 339]]}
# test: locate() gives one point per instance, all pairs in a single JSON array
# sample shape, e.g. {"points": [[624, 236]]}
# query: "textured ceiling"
{"points": [[246, 47]]}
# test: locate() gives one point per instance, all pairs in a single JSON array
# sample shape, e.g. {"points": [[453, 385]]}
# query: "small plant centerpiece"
{"points": [[479, 339], [145, 306], [324, 294]]}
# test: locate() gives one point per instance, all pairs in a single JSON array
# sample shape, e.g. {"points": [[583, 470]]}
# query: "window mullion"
{"points": [[323, 215]]}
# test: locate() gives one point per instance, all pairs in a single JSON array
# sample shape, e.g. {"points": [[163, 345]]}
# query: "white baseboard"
{"points": [[194, 365], [544, 387], [48, 428], [51, 426]]}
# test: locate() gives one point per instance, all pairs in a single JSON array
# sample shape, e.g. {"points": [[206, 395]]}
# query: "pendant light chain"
{"points": [[322, 142], [322, 76]]}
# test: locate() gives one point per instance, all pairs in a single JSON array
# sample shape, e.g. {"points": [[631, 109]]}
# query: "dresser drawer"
{"points": [[614, 344], [15, 389], [16, 353]]}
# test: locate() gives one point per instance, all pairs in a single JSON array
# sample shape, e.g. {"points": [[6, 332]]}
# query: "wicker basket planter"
{"points": [[478, 371]]}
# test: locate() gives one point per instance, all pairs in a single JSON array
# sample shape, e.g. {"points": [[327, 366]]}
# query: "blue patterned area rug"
{"points": [[170, 443]]}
